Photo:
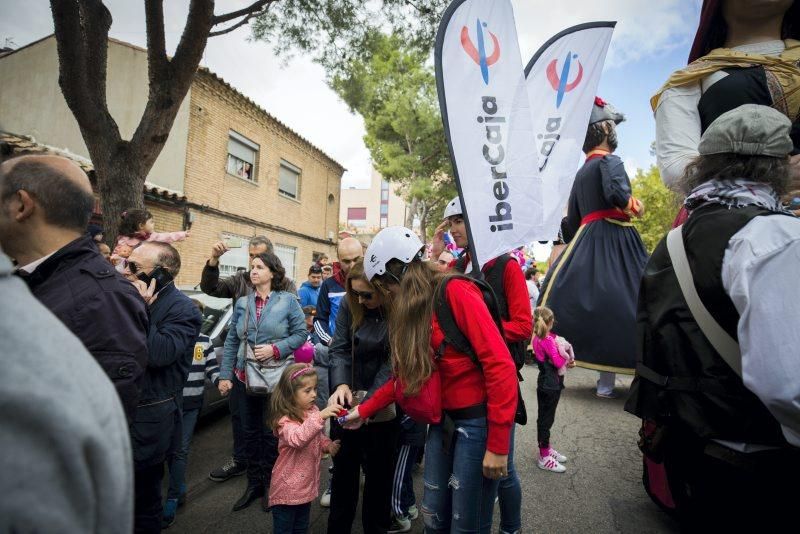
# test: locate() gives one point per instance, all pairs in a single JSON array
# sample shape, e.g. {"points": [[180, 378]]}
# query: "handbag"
{"points": [[261, 378], [381, 416]]}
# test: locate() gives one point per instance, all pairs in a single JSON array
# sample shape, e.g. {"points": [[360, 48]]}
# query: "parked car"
{"points": [[216, 316]]}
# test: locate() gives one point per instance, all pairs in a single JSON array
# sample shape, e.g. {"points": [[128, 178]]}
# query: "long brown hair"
{"points": [[410, 324], [356, 309], [282, 402], [542, 321]]}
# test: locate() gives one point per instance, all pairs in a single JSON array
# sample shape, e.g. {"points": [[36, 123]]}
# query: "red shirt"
{"points": [[464, 384]]}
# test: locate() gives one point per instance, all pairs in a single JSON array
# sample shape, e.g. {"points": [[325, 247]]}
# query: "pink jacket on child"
{"points": [[295, 476], [547, 349], [126, 243]]}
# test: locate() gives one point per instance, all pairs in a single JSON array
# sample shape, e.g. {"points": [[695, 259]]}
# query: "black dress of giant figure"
{"points": [[593, 286]]}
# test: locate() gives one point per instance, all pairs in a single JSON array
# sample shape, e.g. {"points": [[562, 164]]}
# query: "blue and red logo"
{"points": [[478, 54], [561, 84]]}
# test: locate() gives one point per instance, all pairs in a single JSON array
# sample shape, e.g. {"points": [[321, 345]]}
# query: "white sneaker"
{"points": [[560, 458], [548, 463], [413, 513], [325, 500]]}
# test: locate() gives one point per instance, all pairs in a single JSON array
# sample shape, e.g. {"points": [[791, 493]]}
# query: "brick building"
{"points": [[229, 169]]}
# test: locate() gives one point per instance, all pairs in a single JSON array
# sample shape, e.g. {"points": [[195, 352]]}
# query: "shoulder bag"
{"points": [[261, 378]]}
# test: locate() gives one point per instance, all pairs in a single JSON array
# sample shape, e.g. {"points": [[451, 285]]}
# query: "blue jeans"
{"points": [[457, 497], [510, 495], [291, 519], [177, 462]]}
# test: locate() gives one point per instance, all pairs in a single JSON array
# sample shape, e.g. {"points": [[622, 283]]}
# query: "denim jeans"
{"points": [[177, 461], [291, 519], [457, 497], [510, 495]]}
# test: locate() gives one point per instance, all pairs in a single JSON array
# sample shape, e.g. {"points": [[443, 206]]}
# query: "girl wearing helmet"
{"points": [[468, 450]]}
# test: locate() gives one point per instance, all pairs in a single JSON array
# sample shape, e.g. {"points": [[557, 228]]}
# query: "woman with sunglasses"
{"points": [[467, 453], [359, 355]]}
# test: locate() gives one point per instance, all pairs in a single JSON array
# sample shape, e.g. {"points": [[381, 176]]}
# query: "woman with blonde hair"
{"points": [[466, 453], [359, 356]]}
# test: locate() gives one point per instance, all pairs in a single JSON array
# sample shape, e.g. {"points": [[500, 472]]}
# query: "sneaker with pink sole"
{"points": [[548, 463], [560, 458]]}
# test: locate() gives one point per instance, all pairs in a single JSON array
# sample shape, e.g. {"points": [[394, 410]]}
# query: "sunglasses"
{"points": [[364, 295], [132, 266]]}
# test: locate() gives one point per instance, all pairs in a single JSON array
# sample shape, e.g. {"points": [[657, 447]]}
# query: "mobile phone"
{"points": [[159, 274], [233, 242]]}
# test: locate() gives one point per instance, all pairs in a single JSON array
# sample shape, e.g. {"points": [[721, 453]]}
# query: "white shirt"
{"points": [[678, 120], [533, 292], [34, 264], [761, 274]]}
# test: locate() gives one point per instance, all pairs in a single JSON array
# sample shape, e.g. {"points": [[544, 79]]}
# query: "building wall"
{"points": [[370, 198], [31, 103], [310, 223]]}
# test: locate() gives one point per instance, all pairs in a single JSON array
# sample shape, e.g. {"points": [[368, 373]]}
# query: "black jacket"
{"points": [[101, 308], [369, 344], [232, 287], [174, 325]]}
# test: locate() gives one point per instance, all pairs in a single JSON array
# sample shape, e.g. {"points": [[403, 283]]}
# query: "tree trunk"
{"points": [[423, 221], [120, 184], [412, 211]]}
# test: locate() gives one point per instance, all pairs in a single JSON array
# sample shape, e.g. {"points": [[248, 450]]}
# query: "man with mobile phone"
{"points": [[174, 325]]}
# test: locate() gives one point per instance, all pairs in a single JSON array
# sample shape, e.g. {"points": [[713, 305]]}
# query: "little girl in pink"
{"points": [[299, 424], [137, 226], [552, 365]]}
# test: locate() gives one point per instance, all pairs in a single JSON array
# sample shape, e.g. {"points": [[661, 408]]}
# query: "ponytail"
{"points": [[542, 321]]}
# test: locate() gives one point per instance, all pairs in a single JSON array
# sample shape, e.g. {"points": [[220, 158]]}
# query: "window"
{"points": [[236, 258], [384, 222], [356, 216], [384, 195], [287, 256], [289, 180], [384, 209], [242, 156]]}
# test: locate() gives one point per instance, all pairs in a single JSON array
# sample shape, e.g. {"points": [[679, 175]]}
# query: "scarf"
{"points": [[734, 194], [784, 72]]}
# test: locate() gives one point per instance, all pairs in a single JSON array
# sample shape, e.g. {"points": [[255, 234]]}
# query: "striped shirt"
{"points": [[204, 365]]}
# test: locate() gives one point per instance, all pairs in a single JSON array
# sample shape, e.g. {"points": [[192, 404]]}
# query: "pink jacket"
{"points": [[126, 243], [547, 348], [295, 476]]}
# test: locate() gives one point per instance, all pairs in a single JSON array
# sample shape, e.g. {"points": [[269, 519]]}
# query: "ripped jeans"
{"points": [[457, 497]]}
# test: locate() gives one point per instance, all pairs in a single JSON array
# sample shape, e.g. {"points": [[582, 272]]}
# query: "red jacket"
{"points": [[464, 384]]}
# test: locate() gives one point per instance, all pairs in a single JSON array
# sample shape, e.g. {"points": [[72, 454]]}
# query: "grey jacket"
{"points": [[66, 454], [282, 324]]}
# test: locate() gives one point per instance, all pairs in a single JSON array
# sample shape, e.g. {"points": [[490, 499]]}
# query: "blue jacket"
{"points": [[282, 324], [174, 326], [330, 296], [308, 294]]}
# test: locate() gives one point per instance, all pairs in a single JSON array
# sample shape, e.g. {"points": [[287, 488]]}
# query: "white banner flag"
{"points": [[488, 125], [562, 79]]}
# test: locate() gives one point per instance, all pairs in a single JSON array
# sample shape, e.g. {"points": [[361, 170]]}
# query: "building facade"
{"points": [[364, 212], [228, 171]]}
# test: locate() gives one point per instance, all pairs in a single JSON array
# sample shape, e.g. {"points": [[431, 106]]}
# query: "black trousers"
{"points": [[548, 402], [156, 432], [260, 444], [374, 446]]}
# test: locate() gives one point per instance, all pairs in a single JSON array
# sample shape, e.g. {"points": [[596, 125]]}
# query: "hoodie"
{"points": [[308, 295]]}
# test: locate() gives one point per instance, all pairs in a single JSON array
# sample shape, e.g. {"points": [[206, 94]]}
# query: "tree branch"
{"points": [[157, 62], [249, 11]]}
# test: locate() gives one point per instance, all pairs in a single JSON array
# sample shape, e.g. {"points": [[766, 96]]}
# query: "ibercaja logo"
{"points": [[561, 84], [478, 54]]}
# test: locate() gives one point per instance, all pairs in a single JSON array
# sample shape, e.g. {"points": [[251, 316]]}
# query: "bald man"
{"points": [[45, 205]]}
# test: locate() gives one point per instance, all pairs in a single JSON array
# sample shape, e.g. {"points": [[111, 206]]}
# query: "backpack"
{"points": [[453, 336]]}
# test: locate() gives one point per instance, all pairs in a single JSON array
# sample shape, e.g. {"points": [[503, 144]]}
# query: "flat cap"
{"points": [[750, 129]]}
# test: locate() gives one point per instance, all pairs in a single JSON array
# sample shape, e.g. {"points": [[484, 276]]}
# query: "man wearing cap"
{"points": [[592, 286], [730, 419]]}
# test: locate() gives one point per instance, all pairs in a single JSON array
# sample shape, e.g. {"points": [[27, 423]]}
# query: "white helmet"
{"points": [[392, 243], [453, 208]]}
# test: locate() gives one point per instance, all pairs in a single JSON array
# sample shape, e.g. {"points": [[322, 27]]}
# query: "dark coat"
{"points": [[174, 325], [233, 287], [101, 308]]}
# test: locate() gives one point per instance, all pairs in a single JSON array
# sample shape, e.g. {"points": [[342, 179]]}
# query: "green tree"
{"points": [[661, 205], [393, 88]]}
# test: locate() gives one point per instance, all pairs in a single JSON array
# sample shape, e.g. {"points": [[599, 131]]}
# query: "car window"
{"points": [[211, 317]]}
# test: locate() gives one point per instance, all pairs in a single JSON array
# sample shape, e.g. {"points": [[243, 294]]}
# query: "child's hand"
{"points": [[333, 447], [353, 420], [331, 411], [571, 364]]}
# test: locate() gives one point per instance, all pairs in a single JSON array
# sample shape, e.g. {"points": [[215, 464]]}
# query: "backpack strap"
{"points": [[452, 334], [495, 278]]}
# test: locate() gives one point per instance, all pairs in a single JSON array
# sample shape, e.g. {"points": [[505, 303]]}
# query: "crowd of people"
{"points": [[391, 356]]}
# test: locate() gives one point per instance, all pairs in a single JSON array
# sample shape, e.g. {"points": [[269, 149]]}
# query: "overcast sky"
{"points": [[651, 40]]}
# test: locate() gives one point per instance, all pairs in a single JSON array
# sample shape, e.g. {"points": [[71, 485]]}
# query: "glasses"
{"points": [[364, 295], [132, 266]]}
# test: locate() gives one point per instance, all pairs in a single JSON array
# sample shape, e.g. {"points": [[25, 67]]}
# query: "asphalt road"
{"points": [[601, 491]]}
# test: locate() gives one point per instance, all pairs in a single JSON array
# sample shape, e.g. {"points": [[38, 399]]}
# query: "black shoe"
{"points": [[231, 469], [251, 494]]}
